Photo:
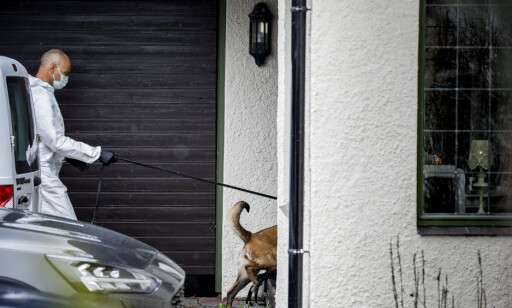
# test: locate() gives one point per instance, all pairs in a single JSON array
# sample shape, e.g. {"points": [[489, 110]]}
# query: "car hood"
{"points": [[46, 234]]}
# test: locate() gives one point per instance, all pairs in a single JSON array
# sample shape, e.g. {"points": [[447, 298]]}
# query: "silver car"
{"points": [[75, 264]]}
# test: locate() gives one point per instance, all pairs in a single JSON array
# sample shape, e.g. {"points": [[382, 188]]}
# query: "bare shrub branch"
{"points": [[393, 280]]}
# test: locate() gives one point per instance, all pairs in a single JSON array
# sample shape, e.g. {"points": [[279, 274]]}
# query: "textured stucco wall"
{"points": [[362, 167], [283, 149], [250, 159]]}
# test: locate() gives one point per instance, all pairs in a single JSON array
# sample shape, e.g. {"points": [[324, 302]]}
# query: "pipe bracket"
{"points": [[297, 251], [299, 9]]}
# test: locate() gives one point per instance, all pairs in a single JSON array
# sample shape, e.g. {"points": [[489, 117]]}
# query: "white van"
{"points": [[20, 177]]}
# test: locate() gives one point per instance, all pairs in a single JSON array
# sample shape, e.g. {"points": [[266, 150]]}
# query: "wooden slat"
{"points": [[159, 184], [149, 214], [154, 81], [108, 52], [109, 57], [163, 229], [154, 66], [134, 198], [141, 125], [165, 155], [190, 258], [51, 22], [98, 8], [137, 96], [135, 111], [157, 66], [180, 243], [127, 170], [199, 270], [178, 139], [64, 38]]}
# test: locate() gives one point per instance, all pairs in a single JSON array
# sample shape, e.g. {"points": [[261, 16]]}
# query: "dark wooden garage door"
{"points": [[143, 84]]}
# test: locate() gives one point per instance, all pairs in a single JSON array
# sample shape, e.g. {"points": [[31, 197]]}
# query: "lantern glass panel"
{"points": [[253, 35], [267, 37], [261, 32]]}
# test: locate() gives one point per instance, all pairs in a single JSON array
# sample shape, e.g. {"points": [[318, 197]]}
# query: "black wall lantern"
{"points": [[259, 33]]}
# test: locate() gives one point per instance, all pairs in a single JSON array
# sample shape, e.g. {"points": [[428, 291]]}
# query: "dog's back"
{"points": [[263, 247]]}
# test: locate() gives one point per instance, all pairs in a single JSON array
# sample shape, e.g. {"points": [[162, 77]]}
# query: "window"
{"points": [[465, 113], [25, 149]]}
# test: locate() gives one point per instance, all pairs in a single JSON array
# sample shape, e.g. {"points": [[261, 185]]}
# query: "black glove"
{"points": [[78, 164], [107, 157]]}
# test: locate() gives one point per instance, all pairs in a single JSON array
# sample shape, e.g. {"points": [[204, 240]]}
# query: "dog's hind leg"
{"points": [[241, 280], [240, 283], [249, 295], [254, 289], [252, 269]]}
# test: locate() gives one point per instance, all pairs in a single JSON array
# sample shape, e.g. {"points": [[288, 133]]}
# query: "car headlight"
{"points": [[90, 275]]}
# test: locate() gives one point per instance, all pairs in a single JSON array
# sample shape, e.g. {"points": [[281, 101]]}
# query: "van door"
{"points": [[24, 144]]}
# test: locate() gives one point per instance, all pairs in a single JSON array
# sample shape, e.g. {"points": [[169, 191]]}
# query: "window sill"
{"points": [[465, 231]]}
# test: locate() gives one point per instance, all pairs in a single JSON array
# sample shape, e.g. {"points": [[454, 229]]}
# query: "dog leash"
{"points": [[177, 173], [98, 195]]}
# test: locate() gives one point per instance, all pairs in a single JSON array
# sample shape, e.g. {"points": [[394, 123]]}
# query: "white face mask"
{"points": [[59, 84]]}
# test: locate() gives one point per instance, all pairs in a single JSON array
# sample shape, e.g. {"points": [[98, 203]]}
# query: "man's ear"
{"points": [[52, 67]]}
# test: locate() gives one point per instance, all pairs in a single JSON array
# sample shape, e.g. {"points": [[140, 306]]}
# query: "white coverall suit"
{"points": [[55, 146]]}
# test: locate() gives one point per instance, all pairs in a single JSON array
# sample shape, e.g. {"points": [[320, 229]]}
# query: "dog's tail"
{"points": [[234, 220]]}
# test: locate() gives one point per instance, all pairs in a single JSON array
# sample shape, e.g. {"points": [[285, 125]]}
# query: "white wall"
{"points": [[362, 167], [249, 132], [283, 148]]}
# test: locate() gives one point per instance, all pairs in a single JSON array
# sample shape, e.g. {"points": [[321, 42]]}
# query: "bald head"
{"points": [[53, 61], [55, 56]]}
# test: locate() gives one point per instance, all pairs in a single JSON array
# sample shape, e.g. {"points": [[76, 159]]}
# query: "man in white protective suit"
{"points": [[55, 146]]}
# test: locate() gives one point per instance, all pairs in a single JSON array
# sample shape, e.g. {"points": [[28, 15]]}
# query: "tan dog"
{"points": [[259, 252]]}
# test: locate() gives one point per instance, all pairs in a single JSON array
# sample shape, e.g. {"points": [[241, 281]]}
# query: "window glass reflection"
{"points": [[467, 102]]}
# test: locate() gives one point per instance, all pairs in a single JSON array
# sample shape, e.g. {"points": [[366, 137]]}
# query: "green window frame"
{"points": [[465, 100]]}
